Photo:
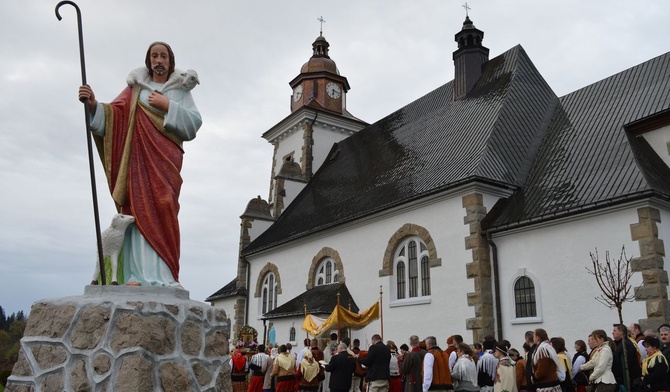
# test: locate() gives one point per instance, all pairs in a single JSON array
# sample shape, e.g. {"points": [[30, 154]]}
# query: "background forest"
{"points": [[11, 331]]}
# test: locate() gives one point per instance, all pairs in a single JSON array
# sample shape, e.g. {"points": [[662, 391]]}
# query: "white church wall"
{"points": [[361, 247], [290, 145], [228, 306], [659, 140], [258, 226], [292, 188], [664, 229], [556, 257], [323, 143]]}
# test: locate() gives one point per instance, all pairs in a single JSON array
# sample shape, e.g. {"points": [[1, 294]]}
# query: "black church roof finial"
{"points": [[467, 8], [320, 19]]}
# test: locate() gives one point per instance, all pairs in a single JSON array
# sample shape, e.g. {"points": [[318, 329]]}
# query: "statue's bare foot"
{"points": [[181, 287], [133, 283], [94, 282]]}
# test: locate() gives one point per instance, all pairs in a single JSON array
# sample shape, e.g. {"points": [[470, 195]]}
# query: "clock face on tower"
{"points": [[297, 93], [333, 90]]}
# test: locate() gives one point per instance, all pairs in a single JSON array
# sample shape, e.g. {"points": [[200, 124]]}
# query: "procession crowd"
{"points": [[628, 361]]}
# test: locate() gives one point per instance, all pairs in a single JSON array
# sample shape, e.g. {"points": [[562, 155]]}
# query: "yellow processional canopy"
{"points": [[340, 318]]}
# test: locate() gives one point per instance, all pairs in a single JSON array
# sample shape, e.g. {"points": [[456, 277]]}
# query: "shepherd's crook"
{"points": [[88, 139]]}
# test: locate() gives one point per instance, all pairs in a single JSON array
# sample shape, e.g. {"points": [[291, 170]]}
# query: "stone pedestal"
{"points": [[120, 338]]}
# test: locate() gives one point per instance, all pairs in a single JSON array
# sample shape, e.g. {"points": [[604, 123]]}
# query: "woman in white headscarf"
{"points": [[309, 373], [464, 373]]}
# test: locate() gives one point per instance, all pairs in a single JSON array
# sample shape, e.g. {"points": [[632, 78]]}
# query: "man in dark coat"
{"points": [[377, 362], [664, 336], [341, 368], [620, 335], [412, 366]]}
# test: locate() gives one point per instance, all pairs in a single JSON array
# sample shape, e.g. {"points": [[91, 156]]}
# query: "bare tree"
{"points": [[613, 278]]}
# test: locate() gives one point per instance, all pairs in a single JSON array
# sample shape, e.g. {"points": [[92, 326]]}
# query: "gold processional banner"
{"points": [[340, 318]]}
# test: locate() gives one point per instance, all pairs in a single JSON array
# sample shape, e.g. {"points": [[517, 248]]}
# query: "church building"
{"points": [[472, 210]]}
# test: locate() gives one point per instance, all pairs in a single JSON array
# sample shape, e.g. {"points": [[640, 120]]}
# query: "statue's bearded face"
{"points": [[160, 59]]}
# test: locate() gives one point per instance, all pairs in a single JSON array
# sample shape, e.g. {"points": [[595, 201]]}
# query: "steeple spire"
{"points": [[467, 8], [469, 58]]}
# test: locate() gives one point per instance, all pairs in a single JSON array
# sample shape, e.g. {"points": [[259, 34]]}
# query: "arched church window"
{"points": [[524, 298], [412, 269], [327, 273], [269, 292], [291, 335]]}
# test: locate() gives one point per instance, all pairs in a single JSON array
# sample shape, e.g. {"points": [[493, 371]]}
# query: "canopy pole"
{"points": [[304, 306], [339, 334], [381, 311]]}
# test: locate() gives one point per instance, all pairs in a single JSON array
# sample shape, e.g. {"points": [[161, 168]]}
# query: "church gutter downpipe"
{"points": [[496, 283]]}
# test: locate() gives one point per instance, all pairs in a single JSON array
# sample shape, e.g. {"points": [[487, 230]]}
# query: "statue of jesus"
{"points": [[139, 136]]}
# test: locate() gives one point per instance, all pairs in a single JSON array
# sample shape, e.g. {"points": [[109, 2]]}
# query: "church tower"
{"points": [[302, 141], [319, 83], [318, 119]]}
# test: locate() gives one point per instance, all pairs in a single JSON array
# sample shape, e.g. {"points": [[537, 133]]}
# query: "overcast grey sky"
{"points": [[246, 52]]}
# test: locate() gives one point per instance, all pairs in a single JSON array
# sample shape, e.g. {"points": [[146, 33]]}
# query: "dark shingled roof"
{"points": [[229, 290], [320, 300], [558, 156], [429, 146], [587, 159]]}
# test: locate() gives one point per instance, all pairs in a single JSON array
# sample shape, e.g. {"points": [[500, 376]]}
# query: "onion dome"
{"points": [[320, 61]]}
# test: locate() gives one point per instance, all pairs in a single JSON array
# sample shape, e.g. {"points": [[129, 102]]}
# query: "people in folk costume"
{"points": [[564, 364], [601, 363], [239, 367], [581, 377], [308, 373], [452, 346], [340, 367], [362, 370], [284, 369], [464, 373], [395, 383], [268, 383], [505, 380], [545, 364], [301, 353], [328, 352], [632, 357], [412, 366], [377, 364], [436, 373], [486, 366], [259, 364], [520, 368], [654, 367]]}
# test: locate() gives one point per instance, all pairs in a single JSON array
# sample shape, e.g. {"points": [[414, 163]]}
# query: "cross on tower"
{"points": [[467, 8], [320, 19]]}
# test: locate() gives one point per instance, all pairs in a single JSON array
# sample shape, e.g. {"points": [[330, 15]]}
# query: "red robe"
{"points": [[143, 163]]}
